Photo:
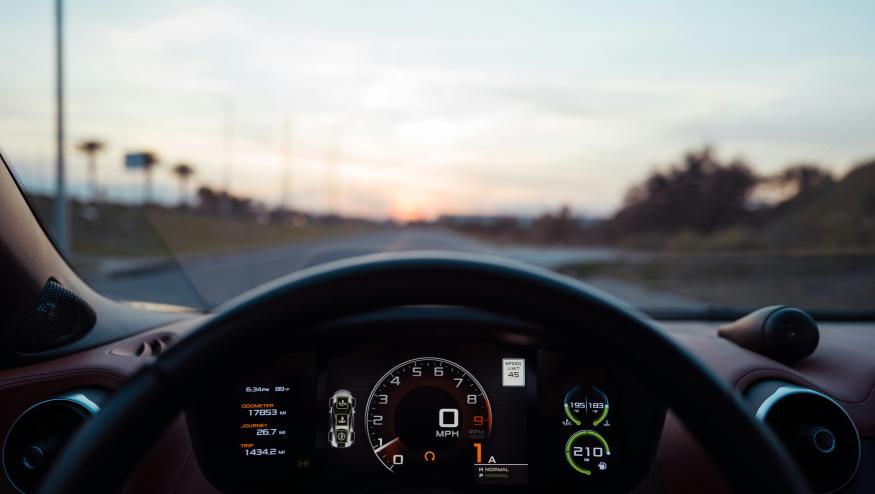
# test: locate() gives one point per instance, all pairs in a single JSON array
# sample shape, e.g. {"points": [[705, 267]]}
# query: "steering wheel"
{"points": [[107, 448]]}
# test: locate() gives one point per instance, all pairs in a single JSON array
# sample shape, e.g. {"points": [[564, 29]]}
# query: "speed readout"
{"points": [[425, 415]]}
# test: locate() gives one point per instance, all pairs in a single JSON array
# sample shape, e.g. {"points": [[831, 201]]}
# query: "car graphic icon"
{"points": [[341, 414]]}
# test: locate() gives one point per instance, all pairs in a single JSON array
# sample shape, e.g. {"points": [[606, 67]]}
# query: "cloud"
{"points": [[535, 117]]}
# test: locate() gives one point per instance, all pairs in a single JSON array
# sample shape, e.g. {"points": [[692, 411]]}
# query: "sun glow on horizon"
{"points": [[409, 206], [401, 113]]}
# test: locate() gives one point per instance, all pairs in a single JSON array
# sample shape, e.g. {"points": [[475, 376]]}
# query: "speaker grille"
{"points": [[58, 317]]}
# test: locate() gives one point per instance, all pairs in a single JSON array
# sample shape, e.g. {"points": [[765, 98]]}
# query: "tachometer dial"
{"points": [[427, 415]]}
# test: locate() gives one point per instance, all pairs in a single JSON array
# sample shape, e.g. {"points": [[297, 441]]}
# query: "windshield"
{"points": [[683, 156]]}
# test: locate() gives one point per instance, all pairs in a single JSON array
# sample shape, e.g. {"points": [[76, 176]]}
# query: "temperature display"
{"points": [[586, 406]]}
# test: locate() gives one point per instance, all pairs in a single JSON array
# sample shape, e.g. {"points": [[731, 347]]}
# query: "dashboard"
{"points": [[507, 413], [843, 366]]}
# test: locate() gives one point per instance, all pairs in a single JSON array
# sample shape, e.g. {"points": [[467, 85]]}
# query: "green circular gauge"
{"points": [[587, 452], [586, 406]]}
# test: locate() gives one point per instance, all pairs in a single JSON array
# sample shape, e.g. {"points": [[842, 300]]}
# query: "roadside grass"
{"points": [[811, 281], [112, 230], [189, 233]]}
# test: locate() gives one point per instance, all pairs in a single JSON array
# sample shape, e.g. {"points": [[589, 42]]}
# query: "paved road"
{"points": [[208, 280]]}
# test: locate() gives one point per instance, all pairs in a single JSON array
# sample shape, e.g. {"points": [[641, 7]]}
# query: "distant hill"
{"points": [[839, 217]]}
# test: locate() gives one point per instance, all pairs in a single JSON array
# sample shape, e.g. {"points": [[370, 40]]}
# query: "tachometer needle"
{"points": [[385, 445]]}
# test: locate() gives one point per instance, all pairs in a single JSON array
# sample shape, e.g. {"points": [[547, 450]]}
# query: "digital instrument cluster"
{"points": [[272, 420], [434, 412], [469, 413]]}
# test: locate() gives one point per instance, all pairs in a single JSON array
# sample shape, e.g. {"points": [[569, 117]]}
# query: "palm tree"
{"points": [[90, 148], [150, 161], [183, 172]]}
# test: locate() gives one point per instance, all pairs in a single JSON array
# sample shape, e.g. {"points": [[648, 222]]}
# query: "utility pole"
{"points": [[229, 155], [60, 218], [287, 198], [334, 155], [228, 144]]}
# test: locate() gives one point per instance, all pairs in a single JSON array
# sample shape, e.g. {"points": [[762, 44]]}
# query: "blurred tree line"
{"points": [[720, 204], [703, 194]]}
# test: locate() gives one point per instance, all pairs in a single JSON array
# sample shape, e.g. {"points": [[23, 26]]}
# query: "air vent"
{"points": [[817, 431], [41, 431], [150, 346]]}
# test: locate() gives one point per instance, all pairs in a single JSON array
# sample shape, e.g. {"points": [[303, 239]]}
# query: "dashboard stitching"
{"points": [[183, 475], [48, 376], [657, 483], [740, 382], [868, 395]]}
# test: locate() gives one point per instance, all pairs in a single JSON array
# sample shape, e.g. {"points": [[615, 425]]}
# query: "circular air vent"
{"points": [[816, 430], [39, 433]]}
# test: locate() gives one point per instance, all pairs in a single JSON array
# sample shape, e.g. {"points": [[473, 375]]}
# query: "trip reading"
{"points": [[264, 420]]}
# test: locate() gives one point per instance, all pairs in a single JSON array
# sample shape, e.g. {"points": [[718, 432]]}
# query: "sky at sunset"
{"points": [[411, 108]]}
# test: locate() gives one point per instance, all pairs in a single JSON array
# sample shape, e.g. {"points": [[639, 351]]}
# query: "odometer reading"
{"points": [[425, 415], [268, 417], [264, 420]]}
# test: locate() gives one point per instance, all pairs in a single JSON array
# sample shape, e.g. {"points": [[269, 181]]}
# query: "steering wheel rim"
{"points": [[107, 448]]}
